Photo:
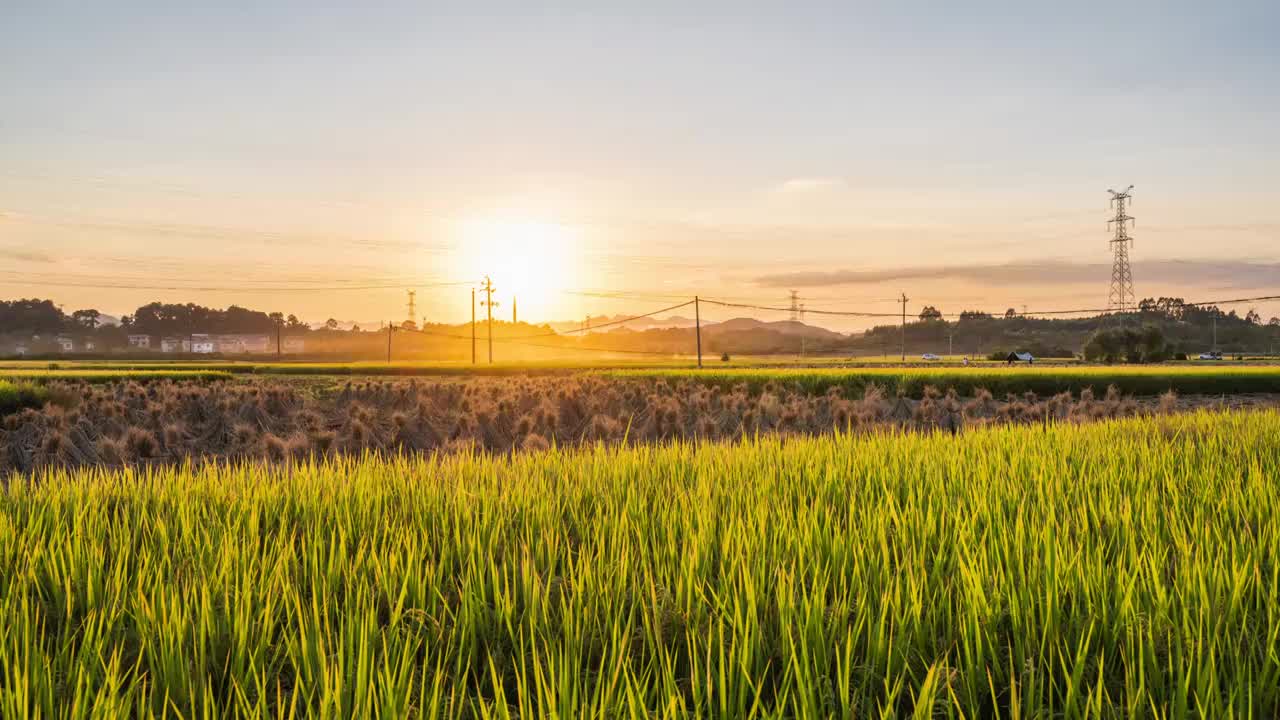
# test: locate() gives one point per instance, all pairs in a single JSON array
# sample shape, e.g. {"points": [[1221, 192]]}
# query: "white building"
{"points": [[171, 344], [140, 342], [203, 344], [239, 344], [66, 344]]}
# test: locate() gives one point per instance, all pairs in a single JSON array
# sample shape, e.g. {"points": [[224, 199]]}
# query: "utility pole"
{"points": [[473, 326], [488, 306], [802, 331], [1215, 330], [903, 300], [390, 327], [951, 334], [278, 326], [514, 317], [697, 322], [1121, 299]]}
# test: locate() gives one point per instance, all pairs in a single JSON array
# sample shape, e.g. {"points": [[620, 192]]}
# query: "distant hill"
{"points": [[611, 322], [784, 327]]}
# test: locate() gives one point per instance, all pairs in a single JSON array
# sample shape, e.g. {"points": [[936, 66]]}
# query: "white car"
{"points": [[929, 356], [1211, 356]]}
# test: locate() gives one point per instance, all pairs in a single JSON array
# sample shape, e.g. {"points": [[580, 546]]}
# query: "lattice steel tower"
{"points": [[1121, 298], [795, 306]]}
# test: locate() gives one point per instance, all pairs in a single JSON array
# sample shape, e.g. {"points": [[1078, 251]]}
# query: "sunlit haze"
{"points": [[597, 159]]}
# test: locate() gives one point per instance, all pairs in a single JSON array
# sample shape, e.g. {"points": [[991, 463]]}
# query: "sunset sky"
{"points": [[312, 160]]}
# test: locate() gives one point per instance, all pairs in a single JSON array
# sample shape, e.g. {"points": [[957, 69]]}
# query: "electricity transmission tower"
{"points": [[1121, 298], [489, 304], [795, 306], [412, 308]]}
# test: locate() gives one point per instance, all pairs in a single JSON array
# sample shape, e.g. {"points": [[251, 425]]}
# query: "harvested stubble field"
{"points": [[171, 422], [1127, 568]]}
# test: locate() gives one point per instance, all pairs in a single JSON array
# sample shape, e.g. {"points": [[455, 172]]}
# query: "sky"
{"points": [[322, 158]]}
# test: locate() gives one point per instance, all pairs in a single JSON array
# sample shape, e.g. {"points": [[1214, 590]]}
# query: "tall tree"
{"points": [[929, 313], [88, 319]]}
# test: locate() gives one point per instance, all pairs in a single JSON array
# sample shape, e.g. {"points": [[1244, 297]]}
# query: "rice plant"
{"points": [[1126, 568], [16, 396]]}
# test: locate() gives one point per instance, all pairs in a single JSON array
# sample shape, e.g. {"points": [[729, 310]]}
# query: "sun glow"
{"points": [[534, 261]]}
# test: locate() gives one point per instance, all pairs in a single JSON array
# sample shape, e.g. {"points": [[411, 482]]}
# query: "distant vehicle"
{"points": [[929, 356], [1210, 356]]}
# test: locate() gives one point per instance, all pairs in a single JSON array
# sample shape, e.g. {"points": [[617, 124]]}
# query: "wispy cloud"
{"points": [[1202, 273], [23, 255], [808, 184]]}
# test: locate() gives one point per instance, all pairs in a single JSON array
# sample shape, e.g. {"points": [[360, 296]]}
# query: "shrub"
{"points": [[1145, 345]]}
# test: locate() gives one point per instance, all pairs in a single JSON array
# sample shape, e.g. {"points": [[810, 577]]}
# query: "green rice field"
{"points": [[1112, 569], [1130, 380], [93, 375], [996, 378]]}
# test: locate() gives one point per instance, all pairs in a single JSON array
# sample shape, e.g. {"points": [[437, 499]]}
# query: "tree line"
{"points": [[42, 317]]}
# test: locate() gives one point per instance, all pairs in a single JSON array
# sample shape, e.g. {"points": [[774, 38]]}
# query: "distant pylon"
{"points": [[795, 306], [1121, 298], [412, 308]]}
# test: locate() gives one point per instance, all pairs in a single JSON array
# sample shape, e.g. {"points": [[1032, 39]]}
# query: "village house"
{"points": [[140, 342], [242, 344], [293, 345], [203, 344], [172, 344], [66, 344]]}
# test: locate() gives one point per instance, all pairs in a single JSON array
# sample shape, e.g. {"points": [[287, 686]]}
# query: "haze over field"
{"points": [[599, 161]]}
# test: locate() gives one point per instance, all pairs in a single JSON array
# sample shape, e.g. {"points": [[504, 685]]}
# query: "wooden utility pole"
{"points": [[514, 317], [488, 306], [697, 322], [903, 300], [473, 326], [389, 328], [278, 326]]}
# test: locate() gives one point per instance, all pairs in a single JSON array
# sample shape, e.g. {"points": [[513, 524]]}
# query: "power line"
{"points": [[840, 313], [610, 323], [1024, 313]]}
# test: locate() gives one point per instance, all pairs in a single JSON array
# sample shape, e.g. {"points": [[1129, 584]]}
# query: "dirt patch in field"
{"points": [[128, 423]]}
